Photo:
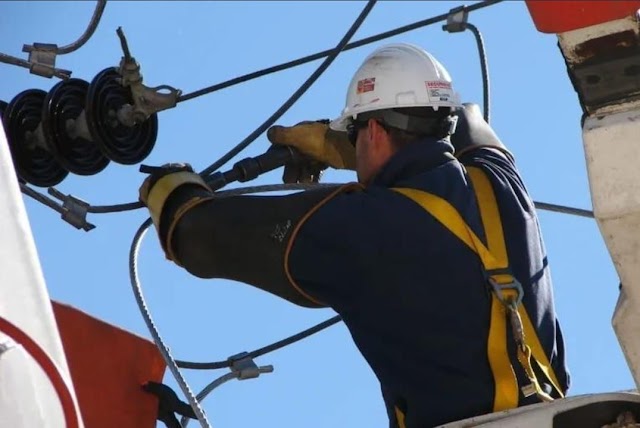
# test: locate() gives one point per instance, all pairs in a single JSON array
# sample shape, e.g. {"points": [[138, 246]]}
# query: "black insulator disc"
{"points": [[62, 106], [120, 143], [33, 163]]}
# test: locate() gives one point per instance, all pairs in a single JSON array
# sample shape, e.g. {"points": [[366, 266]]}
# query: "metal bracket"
{"points": [[74, 210], [457, 20], [146, 100], [242, 367], [245, 368], [42, 60]]}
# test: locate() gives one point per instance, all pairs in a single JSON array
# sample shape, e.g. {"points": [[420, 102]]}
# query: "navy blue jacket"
{"points": [[412, 295]]}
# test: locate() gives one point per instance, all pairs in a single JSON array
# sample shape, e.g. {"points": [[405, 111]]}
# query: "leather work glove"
{"points": [[472, 131], [159, 194], [303, 171], [316, 140]]}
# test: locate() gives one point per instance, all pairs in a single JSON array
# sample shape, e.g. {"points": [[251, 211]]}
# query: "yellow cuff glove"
{"points": [[318, 141], [156, 190]]}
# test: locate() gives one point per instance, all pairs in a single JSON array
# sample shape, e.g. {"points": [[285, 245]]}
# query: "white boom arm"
{"points": [[32, 360]]}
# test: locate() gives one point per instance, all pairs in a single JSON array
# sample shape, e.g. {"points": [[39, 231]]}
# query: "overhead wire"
{"points": [[129, 206], [105, 209], [184, 422], [264, 350], [12, 60], [484, 67], [34, 194], [327, 52], [91, 28], [564, 209]]}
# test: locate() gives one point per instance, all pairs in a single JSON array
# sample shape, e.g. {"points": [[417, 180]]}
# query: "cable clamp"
{"points": [[42, 60], [457, 20], [74, 210], [244, 367]]}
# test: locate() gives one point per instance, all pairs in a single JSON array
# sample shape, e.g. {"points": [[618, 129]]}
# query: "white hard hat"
{"points": [[394, 76]]}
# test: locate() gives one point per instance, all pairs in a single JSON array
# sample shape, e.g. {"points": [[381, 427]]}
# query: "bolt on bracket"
{"points": [[74, 210], [42, 60], [146, 100], [457, 20], [245, 368]]}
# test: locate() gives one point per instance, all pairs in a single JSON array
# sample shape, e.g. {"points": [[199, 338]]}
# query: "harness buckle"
{"points": [[498, 288], [510, 303]]}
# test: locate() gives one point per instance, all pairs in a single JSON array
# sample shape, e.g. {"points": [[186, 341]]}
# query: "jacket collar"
{"points": [[414, 159]]}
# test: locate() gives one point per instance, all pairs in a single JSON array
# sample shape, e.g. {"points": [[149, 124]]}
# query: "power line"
{"points": [[322, 54], [264, 350]]}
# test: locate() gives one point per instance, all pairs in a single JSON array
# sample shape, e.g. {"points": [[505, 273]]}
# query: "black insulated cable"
{"points": [[91, 28], [564, 209], [457, 22], [322, 54], [35, 195], [264, 350], [116, 208], [485, 70]]}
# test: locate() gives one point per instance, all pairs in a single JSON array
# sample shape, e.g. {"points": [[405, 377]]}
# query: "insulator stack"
{"points": [[77, 127]]}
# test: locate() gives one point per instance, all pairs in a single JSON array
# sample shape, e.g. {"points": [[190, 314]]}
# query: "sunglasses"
{"points": [[354, 126], [352, 131]]}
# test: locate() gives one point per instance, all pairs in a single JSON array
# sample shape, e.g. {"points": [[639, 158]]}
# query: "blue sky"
{"points": [[322, 381]]}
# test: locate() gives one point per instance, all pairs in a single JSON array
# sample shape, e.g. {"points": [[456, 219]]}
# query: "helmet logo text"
{"points": [[366, 85]]}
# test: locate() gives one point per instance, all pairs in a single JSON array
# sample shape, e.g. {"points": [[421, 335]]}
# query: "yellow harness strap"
{"points": [[506, 300]]}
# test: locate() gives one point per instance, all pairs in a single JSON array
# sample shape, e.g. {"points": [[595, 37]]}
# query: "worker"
{"points": [[434, 259]]}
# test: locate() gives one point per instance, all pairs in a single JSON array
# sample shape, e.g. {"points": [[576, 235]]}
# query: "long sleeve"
{"points": [[245, 238]]}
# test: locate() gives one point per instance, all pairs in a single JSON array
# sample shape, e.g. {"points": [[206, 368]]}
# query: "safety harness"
{"points": [[506, 296]]}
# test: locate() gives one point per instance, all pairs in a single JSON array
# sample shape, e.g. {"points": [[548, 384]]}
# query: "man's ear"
{"points": [[376, 132]]}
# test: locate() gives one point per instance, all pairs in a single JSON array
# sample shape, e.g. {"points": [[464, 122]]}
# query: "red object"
{"points": [[48, 366], [366, 85], [559, 16], [108, 367]]}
